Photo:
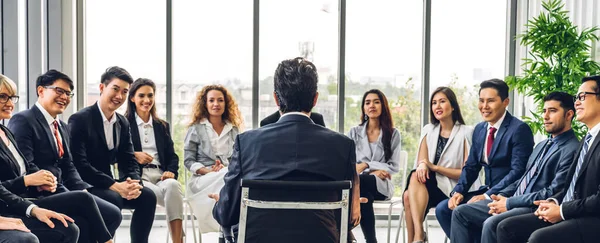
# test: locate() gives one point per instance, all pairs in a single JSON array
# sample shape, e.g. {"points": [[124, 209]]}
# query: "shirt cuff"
{"points": [[195, 167], [28, 211], [553, 199], [487, 196], [561, 214]]}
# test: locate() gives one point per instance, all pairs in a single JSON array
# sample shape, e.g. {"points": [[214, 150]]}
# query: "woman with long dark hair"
{"points": [[377, 156], [154, 151], [443, 148]]}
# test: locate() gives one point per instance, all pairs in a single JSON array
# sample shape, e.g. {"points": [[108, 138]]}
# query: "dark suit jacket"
{"points": [[294, 148], [169, 161], [38, 144], [90, 152], [316, 117], [551, 174], [12, 181], [511, 149]]}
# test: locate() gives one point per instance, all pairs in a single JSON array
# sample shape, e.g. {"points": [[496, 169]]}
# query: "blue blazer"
{"points": [[38, 145], [511, 149], [293, 148], [551, 175]]}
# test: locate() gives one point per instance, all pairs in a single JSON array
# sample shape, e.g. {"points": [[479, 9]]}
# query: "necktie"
{"points": [[584, 150], [525, 181], [58, 142], [490, 142]]}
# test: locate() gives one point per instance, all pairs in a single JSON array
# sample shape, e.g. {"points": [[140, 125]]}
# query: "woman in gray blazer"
{"points": [[444, 147], [377, 156], [208, 146]]}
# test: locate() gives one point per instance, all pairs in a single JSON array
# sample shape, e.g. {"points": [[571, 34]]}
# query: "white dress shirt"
{"points": [[146, 130], [108, 128], [220, 143], [50, 121], [21, 162]]}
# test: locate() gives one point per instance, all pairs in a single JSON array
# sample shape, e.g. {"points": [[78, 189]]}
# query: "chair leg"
{"points": [[389, 226], [400, 221]]}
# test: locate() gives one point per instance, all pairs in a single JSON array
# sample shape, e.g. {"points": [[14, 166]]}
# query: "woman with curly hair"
{"points": [[208, 146]]}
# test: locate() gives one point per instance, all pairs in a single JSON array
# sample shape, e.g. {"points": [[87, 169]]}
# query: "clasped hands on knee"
{"points": [[128, 189]]}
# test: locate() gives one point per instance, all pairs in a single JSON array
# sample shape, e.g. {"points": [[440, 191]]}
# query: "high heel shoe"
{"points": [[425, 240]]}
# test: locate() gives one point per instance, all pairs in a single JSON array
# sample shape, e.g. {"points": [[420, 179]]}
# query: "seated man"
{"points": [[306, 152], [100, 137], [572, 214], [545, 174], [315, 117], [501, 145], [44, 141]]}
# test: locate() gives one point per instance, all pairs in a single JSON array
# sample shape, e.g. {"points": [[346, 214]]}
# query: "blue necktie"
{"points": [[584, 150], [529, 175]]}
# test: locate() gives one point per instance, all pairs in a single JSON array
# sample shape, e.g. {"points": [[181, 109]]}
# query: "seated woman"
{"points": [[443, 149], [26, 180], [377, 156], [216, 121], [154, 151]]}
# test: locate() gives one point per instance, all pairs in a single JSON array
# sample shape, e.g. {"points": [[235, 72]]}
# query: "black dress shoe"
{"points": [[229, 239]]}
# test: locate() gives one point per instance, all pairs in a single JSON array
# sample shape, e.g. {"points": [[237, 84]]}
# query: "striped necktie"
{"points": [[529, 175], [584, 150]]}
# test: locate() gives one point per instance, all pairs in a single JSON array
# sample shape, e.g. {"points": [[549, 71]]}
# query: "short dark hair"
{"points": [[51, 76], [115, 72], [597, 80], [496, 84], [456, 114], [565, 99], [295, 84]]}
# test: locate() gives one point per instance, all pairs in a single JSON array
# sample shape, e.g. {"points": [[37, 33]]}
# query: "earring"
{"points": [[366, 117]]}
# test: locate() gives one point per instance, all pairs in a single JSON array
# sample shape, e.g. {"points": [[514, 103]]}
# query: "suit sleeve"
{"points": [[16, 204], [173, 159], [25, 141], [128, 165], [227, 209], [70, 175], [522, 141], [79, 136], [470, 171]]}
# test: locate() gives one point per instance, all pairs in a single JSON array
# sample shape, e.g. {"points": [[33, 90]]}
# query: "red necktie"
{"points": [[490, 141], [58, 142]]}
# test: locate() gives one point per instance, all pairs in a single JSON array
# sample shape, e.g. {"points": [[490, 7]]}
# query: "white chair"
{"points": [[392, 202], [333, 186]]}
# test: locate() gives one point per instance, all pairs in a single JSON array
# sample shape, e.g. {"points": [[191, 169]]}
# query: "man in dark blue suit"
{"points": [[44, 141], [501, 145], [545, 174], [293, 148]]}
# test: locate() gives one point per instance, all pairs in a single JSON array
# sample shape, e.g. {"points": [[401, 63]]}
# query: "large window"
{"points": [[130, 34], [308, 29], [467, 46], [383, 51]]}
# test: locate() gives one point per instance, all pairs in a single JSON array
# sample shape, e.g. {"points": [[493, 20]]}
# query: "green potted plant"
{"points": [[559, 56]]}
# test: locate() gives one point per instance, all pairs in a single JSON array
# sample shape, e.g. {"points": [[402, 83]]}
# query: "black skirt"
{"points": [[435, 194]]}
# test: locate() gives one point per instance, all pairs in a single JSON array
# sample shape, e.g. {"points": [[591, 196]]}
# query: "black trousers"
{"points": [[529, 228], [143, 214], [17, 236], [368, 189], [45, 234], [82, 207]]}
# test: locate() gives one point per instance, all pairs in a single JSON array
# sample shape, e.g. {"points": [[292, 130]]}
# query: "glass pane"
{"points": [[383, 51], [212, 44], [308, 29], [130, 34], [467, 47]]}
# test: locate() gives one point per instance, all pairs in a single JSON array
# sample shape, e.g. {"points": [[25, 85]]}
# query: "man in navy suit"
{"points": [[100, 137], [545, 174], [44, 141], [501, 145], [573, 213], [293, 148]]}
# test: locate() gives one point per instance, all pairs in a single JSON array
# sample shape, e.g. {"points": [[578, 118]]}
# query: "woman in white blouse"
{"points": [[443, 148], [216, 121], [154, 151]]}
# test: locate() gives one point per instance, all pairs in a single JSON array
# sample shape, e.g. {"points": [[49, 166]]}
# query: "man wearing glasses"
{"points": [[572, 214], [44, 142]]}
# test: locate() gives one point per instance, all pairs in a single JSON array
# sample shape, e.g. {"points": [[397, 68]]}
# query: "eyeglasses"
{"points": [[581, 96], [60, 91], [4, 98]]}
